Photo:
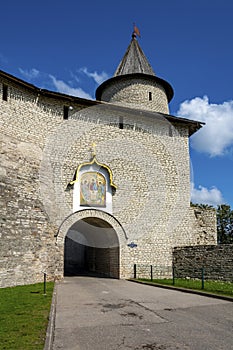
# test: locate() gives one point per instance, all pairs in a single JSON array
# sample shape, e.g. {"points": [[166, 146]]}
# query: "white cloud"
{"points": [[74, 77], [216, 137], [29, 74], [63, 87], [67, 87], [203, 195], [98, 78]]}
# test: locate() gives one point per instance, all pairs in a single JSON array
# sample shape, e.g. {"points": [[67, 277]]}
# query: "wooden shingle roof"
{"points": [[134, 61]]}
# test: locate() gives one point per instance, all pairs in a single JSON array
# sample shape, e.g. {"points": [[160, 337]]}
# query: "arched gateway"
{"points": [[89, 241]]}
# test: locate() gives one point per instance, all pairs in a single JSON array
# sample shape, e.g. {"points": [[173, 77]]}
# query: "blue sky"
{"points": [[72, 46]]}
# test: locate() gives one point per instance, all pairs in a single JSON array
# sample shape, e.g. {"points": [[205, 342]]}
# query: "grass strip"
{"points": [[24, 314], [213, 287]]}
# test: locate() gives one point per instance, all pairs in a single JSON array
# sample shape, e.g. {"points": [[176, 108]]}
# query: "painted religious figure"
{"points": [[93, 189]]}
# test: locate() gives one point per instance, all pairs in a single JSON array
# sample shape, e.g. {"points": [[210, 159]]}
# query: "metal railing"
{"points": [[152, 271], [189, 273]]}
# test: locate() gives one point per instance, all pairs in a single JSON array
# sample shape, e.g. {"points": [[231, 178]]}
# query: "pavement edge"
{"points": [[51, 324], [183, 290]]}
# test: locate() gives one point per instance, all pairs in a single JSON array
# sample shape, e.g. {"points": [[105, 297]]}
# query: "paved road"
{"points": [[99, 314]]}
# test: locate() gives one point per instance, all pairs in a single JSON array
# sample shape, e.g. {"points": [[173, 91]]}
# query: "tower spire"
{"points": [[134, 60]]}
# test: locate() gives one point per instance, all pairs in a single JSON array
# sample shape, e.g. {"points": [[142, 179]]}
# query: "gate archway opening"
{"points": [[91, 247]]}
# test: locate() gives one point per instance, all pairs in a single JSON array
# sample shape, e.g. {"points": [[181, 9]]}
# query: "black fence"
{"points": [[152, 271], [191, 272]]}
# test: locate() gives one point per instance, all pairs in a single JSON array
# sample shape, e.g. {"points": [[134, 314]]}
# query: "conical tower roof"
{"points": [[135, 84], [134, 60]]}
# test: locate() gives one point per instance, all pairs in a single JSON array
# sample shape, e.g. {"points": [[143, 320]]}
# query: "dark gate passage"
{"points": [[91, 247]]}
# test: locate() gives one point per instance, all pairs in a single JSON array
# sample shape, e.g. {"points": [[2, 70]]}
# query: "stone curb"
{"points": [[51, 325], [184, 290]]}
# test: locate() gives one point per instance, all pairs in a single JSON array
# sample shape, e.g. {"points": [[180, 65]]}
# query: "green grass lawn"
{"points": [[214, 287], [24, 312]]}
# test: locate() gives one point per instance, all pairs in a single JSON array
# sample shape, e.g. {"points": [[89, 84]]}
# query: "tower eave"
{"points": [[167, 87]]}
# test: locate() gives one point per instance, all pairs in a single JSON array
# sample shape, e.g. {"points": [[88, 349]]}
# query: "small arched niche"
{"points": [[93, 187]]}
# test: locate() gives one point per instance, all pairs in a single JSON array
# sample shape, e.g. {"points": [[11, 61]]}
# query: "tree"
{"points": [[201, 206], [224, 224]]}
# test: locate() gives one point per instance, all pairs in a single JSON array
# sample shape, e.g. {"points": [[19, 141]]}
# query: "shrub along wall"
{"points": [[217, 261]]}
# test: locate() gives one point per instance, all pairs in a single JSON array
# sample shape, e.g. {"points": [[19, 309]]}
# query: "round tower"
{"points": [[135, 84]]}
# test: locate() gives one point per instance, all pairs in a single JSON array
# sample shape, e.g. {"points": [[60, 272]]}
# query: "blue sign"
{"points": [[132, 245]]}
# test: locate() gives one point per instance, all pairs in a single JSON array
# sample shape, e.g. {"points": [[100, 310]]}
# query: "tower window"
{"points": [[150, 96], [170, 130], [121, 124], [65, 112], [4, 92]]}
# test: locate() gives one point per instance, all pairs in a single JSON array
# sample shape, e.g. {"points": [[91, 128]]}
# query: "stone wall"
{"points": [[39, 154], [103, 261], [27, 243], [217, 261]]}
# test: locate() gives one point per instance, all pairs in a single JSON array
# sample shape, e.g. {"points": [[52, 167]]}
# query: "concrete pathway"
{"points": [[98, 314]]}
